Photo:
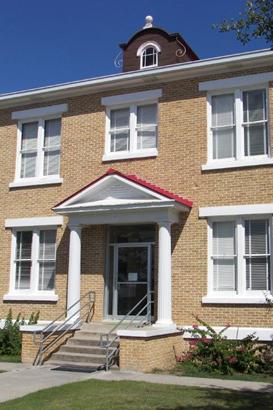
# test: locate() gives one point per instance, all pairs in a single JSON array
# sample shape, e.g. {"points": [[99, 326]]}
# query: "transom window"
{"points": [[132, 128], [34, 260], [39, 153], [238, 125], [240, 255]]}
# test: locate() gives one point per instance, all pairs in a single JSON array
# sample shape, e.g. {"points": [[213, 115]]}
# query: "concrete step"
{"points": [[78, 357], [94, 350], [79, 365], [76, 365], [79, 339]]}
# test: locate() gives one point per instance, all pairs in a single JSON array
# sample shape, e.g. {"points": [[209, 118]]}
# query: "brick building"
{"points": [[154, 181]]}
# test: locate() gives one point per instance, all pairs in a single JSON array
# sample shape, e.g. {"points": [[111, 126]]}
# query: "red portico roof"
{"points": [[136, 180]]}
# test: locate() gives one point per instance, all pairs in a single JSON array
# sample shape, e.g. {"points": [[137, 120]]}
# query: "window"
{"points": [[39, 154], [131, 125], [240, 256], [34, 260], [149, 57], [133, 129], [148, 54], [38, 146], [238, 126]]}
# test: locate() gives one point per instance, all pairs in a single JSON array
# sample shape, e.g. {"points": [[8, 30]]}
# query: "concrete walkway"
{"points": [[21, 379]]}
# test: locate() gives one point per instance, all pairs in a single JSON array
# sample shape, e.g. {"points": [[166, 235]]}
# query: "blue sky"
{"points": [[46, 42]]}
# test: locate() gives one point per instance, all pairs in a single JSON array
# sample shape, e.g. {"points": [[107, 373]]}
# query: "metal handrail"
{"points": [[108, 344], [64, 327]]}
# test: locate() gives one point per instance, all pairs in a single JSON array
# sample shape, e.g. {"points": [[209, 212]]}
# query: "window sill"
{"points": [[235, 300], [237, 163], [35, 182], [130, 155], [43, 297]]}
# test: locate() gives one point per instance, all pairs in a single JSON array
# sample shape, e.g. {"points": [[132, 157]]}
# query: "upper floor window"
{"points": [[149, 57], [148, 54], [238, 124], [39, 153], [131, 129], [38, 145]]}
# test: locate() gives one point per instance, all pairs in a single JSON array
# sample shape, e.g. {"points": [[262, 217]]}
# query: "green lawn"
{"points": [[188, 369], [124, 395], [10, 358]]}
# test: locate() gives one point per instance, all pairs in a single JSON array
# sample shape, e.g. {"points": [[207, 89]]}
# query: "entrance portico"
{"points": [[118, 199]]}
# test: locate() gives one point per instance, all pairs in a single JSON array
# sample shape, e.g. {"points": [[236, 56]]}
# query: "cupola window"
{"points": [[148, 54]]}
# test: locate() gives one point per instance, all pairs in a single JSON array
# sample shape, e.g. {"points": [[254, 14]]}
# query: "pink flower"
{"points": [[232, 359], [195, 326]]}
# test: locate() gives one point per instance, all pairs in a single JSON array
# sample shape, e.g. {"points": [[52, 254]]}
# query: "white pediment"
{"points": [[112, 190]]}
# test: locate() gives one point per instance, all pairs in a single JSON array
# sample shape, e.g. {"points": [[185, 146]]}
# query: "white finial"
{"points": [[148, 22]]}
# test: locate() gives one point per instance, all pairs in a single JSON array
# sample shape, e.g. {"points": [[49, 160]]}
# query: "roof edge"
{"points": [[134, 77]]}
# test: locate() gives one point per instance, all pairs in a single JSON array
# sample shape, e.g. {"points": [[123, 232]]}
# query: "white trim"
{"points": [[50, 297], [189, 69], [235, 300], [143, 96], [240, 81], [36, 181], [32, 222], [39, 112], [160, 331], [239, 158], [236, 333], [146, 45], [115, 156], [236, 210], [248, 162]]}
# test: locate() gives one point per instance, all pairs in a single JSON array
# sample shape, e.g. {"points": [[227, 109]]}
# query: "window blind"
{"points": [[224, 258]]}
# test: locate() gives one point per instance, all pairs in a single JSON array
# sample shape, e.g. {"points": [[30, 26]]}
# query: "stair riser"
{"points": [[86, 342], [81, 359], [83, 349]]}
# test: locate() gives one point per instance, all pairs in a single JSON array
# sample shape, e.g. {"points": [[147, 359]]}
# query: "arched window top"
{"points": [[148, 53]]}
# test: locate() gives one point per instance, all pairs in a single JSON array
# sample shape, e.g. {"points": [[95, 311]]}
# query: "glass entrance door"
{"points": [[132, 277]]}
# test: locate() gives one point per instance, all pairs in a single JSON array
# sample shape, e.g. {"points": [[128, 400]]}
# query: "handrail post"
{"points": [[65, 326]]}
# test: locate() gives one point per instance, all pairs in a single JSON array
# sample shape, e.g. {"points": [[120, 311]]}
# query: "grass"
{"points": [[188, 369], [124, 395], [10, 358]]}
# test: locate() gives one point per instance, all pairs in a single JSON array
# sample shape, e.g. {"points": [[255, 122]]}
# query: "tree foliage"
{"points": [[256, 21]]}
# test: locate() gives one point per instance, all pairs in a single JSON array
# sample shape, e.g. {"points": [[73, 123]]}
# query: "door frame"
{"points": [[116, 247]]}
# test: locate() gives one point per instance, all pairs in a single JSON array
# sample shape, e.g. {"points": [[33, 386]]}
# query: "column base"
{"points": [[165, 324]]}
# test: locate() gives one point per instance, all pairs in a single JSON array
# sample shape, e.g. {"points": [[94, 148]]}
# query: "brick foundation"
{"points": [[145, 354], [30, 348]]}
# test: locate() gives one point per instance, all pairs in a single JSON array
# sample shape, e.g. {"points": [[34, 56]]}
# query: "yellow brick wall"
{"points": [[147, 354], [30, 347], [182, 151]]}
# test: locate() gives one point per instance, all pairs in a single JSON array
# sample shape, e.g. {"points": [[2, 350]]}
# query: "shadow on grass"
{"points": [[232, 400]]}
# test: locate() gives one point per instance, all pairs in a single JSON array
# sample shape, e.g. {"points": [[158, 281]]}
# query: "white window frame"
{"points": [[240, 159], [39, 115], [30, 225], [131, 101], [143, 48], [241, 294]]}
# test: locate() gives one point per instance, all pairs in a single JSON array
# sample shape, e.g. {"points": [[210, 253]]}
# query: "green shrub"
{"points": [[10, 336], [212, 352]]}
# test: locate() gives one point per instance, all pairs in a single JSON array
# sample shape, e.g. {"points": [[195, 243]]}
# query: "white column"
{"points": [[74, 271], [164, 297]]}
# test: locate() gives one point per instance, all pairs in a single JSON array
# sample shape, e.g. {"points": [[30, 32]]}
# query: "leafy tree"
{"points": [[256, 21]]}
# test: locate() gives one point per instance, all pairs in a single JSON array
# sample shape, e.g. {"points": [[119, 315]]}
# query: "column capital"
{"points": [[74, 226], [166, 224]]}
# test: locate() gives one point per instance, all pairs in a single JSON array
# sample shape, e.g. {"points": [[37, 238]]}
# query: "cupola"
{"points": [[153, 47]]}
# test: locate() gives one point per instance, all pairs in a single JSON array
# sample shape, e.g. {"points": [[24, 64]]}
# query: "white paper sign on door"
{"points": [[132, 276]]}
